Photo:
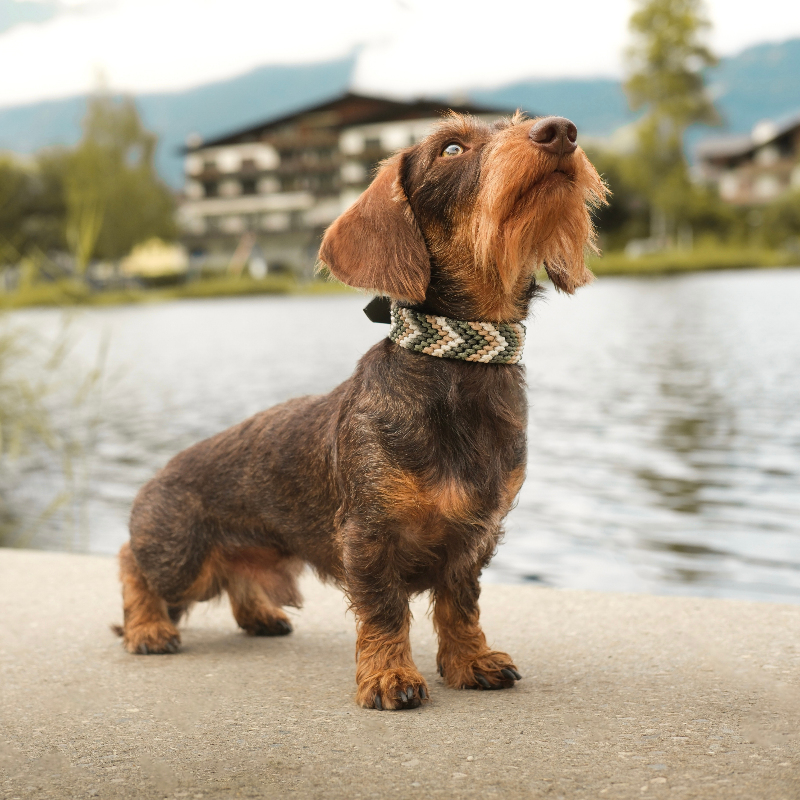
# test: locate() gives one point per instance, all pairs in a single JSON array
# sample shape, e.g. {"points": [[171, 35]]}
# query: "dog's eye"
{"points": [[453, 150]]}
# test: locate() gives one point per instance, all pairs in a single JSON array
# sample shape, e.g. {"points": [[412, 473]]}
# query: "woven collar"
{"points": [[452, 338]]}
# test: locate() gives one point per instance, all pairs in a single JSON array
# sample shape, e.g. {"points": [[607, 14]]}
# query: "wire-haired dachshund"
{"points": [[397, 482]]}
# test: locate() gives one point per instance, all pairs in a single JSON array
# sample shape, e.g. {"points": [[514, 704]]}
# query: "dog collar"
{"points": [[442, 337]]}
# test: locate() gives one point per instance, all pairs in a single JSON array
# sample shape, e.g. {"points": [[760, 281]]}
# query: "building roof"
{"points": [[742, 145], [352, 109]]}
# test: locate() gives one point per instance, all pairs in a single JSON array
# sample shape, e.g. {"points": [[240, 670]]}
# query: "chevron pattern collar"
{"points": [[442, 337]]}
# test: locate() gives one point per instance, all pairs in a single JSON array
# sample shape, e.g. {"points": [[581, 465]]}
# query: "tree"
{"points": [[31, 207], [781, 222], [666, 63], [113, 195]]}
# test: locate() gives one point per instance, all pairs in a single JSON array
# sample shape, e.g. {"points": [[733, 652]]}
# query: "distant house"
{"points": [[754, 168], [279, 184]]}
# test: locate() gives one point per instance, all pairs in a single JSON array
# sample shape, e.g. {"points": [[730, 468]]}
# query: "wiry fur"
{"points": [[397, 481]]}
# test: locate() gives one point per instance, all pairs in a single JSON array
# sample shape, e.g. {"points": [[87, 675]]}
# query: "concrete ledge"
{"points": [[624, 696]]}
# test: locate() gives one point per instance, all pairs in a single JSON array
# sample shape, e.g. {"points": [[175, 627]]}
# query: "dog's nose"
{"points": [[557, 135]]}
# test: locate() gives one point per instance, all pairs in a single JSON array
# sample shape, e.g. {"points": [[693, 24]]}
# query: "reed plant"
{"points": [[49, 417]]}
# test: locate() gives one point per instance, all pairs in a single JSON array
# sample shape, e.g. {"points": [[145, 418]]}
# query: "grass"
{"points": [[75, 293], [700, 259]]}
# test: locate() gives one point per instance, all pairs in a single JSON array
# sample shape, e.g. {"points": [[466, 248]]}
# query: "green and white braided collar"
{"points": [[451, 338]]}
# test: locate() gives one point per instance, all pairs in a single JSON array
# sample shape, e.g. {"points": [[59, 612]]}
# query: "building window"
{"points": [[372, 144], [268, 185], [210, 189], [248, 165], [249, 186], [351, 142], [233, 224], [193, 165], [767, 187], [353, 172], [194, 190], [276, 222], [729, 186], [230, 188], [767, 156], [209, 165]]}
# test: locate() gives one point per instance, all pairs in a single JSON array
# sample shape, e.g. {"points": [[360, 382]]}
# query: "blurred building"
{"points": [[276, 186], [754, 168]]}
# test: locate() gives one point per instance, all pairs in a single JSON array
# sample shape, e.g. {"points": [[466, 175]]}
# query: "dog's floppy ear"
{"points": [[569, 277], [376, 244]]}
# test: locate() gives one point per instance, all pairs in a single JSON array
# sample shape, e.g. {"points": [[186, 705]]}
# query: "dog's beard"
{"points": [[541, 217]]}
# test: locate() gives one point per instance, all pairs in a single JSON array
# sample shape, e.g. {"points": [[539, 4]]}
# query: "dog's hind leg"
{"points": [[148, 627], [260, 581]]}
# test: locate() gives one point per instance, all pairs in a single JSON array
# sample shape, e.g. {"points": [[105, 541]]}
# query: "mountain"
{"points": [[758, 83], [209, 110], [762, 82], [596, 105]]}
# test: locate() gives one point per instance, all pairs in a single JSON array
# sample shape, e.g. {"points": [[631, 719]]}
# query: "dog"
{"points": [[398, 481]]}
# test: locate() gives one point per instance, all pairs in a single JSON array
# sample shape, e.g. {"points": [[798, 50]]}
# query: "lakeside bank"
{"points": [[75, 293], [623, 696]]}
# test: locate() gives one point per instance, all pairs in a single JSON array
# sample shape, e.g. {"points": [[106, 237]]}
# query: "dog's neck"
{"points": [[442, 337], [473, 295]]}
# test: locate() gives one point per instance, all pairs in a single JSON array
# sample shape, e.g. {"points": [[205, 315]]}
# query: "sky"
{"points": [[59, 48]]}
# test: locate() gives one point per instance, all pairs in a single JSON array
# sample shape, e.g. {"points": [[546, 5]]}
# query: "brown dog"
{"points": [[397, 481]]}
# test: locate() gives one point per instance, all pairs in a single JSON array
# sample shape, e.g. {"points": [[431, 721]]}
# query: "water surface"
{"points": [[664, 435]]}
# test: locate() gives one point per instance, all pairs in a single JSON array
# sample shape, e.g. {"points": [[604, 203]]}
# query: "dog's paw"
{"points": [[154, 639], [277, 625], [393, 690], [489, 670]]}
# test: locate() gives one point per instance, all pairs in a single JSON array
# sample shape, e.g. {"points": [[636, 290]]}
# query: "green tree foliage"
{"points": [[626, 216], [114, 198], [780, 222], [97, 200], [32, 209], [666, 63]]}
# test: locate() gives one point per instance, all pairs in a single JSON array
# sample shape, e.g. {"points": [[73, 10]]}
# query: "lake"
{"points": [[664, 436]]}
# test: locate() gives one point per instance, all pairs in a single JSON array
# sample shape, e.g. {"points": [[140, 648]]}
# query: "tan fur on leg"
{"points": [[259, 582], [386, 671], [147, 628], [463, 653]]}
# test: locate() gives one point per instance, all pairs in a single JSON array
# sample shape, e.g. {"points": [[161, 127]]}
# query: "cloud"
{"points": [[17, 12], [408, 47]]}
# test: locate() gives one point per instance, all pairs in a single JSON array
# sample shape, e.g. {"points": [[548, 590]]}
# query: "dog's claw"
{"points": [[441, 670], [378, 703], [143, 649], [511, 674], [422, 693], [410, 693], [517, 676], [482, 681]]}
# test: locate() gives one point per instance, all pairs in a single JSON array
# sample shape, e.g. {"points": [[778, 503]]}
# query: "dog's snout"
{"points": [[557, 135]]}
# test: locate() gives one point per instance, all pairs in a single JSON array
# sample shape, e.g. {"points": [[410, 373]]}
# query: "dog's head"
{"points": [[462, 220]]}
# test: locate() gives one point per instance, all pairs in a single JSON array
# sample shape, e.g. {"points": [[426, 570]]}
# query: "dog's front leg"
{"points": [[464, 659], [385, 672]]}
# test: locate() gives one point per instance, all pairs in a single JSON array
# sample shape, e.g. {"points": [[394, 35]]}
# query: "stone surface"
{"points": [[624, 696]]}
